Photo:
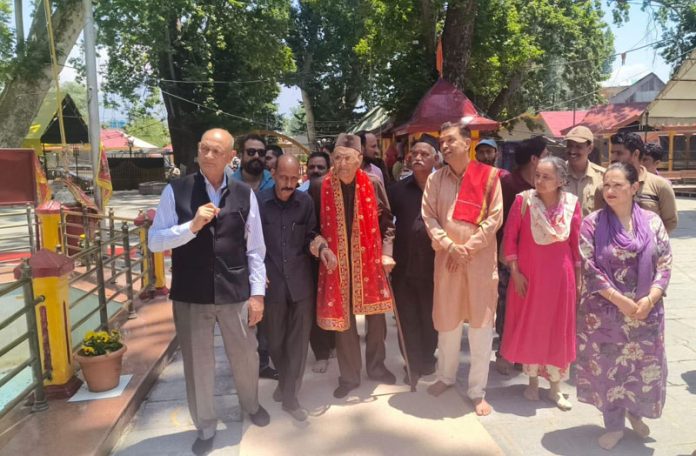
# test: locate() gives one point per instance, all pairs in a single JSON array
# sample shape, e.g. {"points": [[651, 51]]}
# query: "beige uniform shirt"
{"points": [[657, 195], [471, 292], [587, 187]]}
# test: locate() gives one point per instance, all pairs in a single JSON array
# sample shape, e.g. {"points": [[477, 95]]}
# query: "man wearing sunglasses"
{"points": [[253, 172]]}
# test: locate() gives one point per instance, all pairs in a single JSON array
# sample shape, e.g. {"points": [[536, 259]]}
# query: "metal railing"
{"points": [[30, 335], [18, 228], [112, 263]]}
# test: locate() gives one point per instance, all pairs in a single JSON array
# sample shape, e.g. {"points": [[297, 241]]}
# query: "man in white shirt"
{"points": [[213, 227]]}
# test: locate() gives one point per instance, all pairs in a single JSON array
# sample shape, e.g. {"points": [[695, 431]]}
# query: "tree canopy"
{"points": [[216, 62]]}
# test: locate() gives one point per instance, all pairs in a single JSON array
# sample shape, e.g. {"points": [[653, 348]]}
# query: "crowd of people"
{"points": [[567, 261]]}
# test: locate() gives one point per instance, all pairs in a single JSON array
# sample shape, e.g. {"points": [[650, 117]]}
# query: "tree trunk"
{"points": [[25, 92], [309, 117], [428, 29], [503, 96], [307, 102], [457, 39], [183, 130]]}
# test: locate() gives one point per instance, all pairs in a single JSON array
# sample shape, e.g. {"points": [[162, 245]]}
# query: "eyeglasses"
{"points": [[253, 152]]}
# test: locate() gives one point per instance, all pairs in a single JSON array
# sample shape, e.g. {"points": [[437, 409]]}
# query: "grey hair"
{"points": [[559, 166]]}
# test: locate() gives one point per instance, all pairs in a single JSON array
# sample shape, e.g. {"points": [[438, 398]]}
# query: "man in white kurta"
{"points": [[466, 274]]}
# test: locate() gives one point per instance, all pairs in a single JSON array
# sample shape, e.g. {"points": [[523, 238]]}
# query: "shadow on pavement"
{"points": [[582, 441], [509, 399], [690, 379], [422, 405]]}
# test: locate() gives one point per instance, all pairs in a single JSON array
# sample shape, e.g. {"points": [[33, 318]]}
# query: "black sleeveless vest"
{"points": [[212, 268]]}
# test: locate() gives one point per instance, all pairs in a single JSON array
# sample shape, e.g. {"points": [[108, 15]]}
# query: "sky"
{"points": [[638, 31]]}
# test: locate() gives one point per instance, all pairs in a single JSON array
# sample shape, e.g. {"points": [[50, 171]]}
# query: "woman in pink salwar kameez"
{"points": [[541, 248]]}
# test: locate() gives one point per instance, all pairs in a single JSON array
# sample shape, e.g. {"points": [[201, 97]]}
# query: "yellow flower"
{"points": [[88, 350]]}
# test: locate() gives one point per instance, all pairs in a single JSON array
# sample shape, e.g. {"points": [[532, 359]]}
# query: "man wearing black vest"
{"points": [[213, 227]]}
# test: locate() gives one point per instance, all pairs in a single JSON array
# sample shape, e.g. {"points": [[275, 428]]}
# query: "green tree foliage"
{"points": [[148, 128], [323, 38], [399, 50], [229, 54], [6, 41], [295, 123], [522, 54], [677, 19]]}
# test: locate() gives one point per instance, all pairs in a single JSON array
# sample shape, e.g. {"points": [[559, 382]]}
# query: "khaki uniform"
{"points": [[657, 195], [587, 187]]}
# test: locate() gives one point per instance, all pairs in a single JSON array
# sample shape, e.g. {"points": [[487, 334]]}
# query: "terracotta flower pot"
{"points": [[102, 372]]}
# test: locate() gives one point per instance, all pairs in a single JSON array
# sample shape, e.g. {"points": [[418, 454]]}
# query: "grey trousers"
{"points": [[348, 350], [195, 326]]}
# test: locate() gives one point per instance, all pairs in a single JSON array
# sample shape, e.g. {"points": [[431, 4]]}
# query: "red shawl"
{"points": [[361, 267], [478, 184]]}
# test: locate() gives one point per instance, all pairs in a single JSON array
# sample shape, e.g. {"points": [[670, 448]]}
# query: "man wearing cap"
{"points": [[462, 210], [487, 153], [584, 177], [357, 223], [413, 274]]}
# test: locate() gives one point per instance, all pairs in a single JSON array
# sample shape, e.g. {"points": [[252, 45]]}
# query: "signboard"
{"points": [[17, 177]]}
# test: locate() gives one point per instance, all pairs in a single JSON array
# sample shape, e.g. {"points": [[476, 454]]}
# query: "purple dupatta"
{"points": [[610, 232]]}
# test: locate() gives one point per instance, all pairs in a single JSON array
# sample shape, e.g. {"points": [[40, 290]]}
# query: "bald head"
{"points": [[286, 175], [221, 136], [288, 161]]}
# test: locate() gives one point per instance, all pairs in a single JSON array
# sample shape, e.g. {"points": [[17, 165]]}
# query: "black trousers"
{"points": [[321, 340], [289, 324], [414, 302], [503, 281]]}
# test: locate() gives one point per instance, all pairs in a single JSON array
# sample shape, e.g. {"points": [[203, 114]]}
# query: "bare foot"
{"points": [[638, 425], [320, 366], [610, 439], [438, 388], [561, 401], [531, 393], [503, 366], [482, 407]]}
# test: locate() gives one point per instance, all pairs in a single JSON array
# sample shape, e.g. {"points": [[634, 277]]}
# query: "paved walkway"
{"points": [[382, 420]]}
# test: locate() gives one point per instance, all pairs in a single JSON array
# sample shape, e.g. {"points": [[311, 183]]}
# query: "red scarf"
{"points": [[361, 267], [478, 184]]}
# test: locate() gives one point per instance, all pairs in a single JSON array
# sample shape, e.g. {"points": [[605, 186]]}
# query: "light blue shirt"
{"points": [[166, 233], [266, 181], [304, 186]]}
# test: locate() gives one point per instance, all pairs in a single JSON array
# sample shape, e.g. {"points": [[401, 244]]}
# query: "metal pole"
{"points": [[101, 291], [112, 244], [30, 228], [92, 98], [40, 403], [129, 271]]}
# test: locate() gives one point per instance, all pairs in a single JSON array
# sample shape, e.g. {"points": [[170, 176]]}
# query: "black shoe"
{"points": [[268, 372], [386, 378], [343, 390], [261, 418], [202, 447]]}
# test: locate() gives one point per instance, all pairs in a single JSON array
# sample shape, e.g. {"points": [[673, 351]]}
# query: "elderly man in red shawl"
{"points": [[462, 210], [357, 225]]}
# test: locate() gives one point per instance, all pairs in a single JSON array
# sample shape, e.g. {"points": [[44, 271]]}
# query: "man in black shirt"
{"points": [[289, 226], [412, 276]]}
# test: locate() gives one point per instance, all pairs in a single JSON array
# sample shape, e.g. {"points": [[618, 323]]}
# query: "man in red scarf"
{"points": [[357, 225], [462, 210]]}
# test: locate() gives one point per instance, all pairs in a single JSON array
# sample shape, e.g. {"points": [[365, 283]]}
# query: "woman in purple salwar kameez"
{"points": [[621, 364]]}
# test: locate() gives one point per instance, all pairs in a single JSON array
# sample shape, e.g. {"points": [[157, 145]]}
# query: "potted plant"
{"points": [[100, 358]]}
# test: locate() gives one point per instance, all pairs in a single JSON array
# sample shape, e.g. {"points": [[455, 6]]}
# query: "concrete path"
{"points": [[388, 420]]}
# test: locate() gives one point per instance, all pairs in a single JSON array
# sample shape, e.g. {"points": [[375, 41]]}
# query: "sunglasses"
{"points": [[255, 152]]}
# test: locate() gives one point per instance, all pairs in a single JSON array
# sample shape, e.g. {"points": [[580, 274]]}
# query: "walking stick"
{"points": [[400, 332]]}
